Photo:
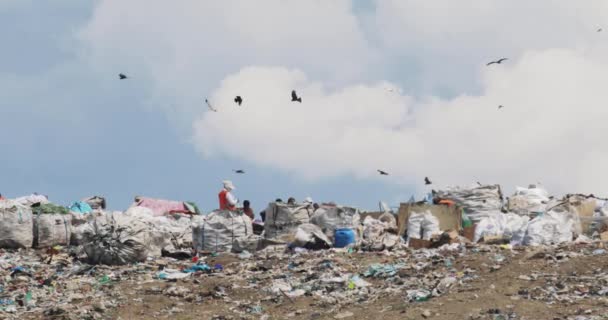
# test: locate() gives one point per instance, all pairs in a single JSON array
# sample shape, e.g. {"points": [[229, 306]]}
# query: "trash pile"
{"points": [[83, 262]]}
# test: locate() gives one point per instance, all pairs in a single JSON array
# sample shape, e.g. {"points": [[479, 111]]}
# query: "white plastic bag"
{"points": [[422, 225], [222, 229]]}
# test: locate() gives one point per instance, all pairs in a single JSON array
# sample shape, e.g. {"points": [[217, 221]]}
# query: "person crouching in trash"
{"points": [[227, 200]]}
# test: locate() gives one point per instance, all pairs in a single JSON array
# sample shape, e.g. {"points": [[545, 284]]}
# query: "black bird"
{"points": [[500, 106], [238, 100], [383, 173], [499, 61], [427, 181], [122, 76], [239, 171], [294, 97], [209, 105]]}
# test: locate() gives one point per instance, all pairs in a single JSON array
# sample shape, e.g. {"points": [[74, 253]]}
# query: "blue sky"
{"points": [[69, 132], [71, 129]]}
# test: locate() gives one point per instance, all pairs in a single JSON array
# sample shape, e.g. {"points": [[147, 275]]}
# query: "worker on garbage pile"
{"points": [[291, 201], [227, 200], [1, 197], [247, 210]]}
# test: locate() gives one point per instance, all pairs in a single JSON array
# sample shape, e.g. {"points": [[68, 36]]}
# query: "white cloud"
{"points": [[449, 40], [188, 47], [550, 129]]}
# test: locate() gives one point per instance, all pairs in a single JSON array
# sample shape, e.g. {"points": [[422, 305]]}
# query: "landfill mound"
{"points": [[455, 281]]}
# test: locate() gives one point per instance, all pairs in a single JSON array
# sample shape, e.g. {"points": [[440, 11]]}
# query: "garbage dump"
{"points": [[136, 264]]}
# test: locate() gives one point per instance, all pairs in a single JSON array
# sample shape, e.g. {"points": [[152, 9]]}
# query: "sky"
{"points": [[396, 85]]}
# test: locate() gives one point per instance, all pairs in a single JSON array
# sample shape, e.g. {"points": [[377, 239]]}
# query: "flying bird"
{"points": [[238, 100], [427, 181], [294, 96], [210, 106], [499, 61], [500, 106], [122, 76], [383, 173], [599, 30], [239, 171]]}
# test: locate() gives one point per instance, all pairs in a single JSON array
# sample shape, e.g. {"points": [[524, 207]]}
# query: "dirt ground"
{"points": [[498, 292]]}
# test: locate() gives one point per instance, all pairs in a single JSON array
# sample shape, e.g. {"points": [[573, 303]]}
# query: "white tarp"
{"points": [[422, 225], [222, 229], [379, 234], [52, 229], [15, 225], [282, 220], [330, 218], [478, 202]]}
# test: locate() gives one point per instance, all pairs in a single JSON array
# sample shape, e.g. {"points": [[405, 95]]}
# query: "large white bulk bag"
{"points": [[52, 229], [223, 229], [553, 227], [282, 220], [15, 225], [478, 202], [123, 238]]}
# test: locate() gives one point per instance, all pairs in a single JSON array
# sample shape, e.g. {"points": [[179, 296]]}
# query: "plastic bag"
{"points": [[422, 225], [554, 227]]}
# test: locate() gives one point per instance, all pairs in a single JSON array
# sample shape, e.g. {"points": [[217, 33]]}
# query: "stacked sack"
{"points": [[477, 202]]}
